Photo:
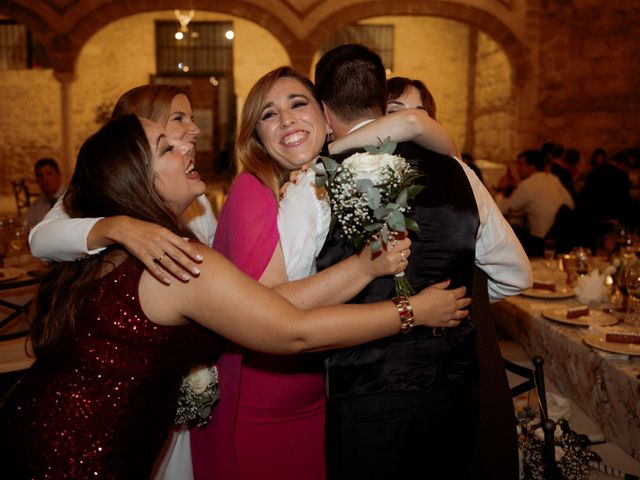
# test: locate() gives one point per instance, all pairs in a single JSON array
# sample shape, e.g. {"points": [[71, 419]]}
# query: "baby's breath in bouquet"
{"points": [[370, 195], [198, 392]]}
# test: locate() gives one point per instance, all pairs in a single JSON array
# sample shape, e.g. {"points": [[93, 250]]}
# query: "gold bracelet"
{"points": [[406, 313]]}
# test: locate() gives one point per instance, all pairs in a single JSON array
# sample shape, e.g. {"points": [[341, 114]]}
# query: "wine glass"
{"points": [[549, 251], [632, 283], [18, 239], [583, 260], [627, 241]]}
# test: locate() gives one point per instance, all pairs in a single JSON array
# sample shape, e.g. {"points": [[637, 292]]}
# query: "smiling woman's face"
{"points": [[176, 180], [181, 125], [291, 127]]}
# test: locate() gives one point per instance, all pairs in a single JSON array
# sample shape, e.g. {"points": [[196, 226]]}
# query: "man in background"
{"points": [[539, 195], [49, 179]]}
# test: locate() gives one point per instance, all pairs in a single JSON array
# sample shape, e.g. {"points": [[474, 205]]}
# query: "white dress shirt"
{"points": [[539, 196], [303, 225], [61, 238], [498, 251]]}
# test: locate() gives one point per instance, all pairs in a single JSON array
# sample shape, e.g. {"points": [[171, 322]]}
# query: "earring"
{"points": [[329, 135]]}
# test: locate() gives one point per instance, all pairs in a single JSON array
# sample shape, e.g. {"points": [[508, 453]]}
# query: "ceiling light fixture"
{"points": [[184, 22]]}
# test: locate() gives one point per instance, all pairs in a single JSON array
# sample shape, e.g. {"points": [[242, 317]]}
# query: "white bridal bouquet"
{"points": [[370, 195], [198, 392]]}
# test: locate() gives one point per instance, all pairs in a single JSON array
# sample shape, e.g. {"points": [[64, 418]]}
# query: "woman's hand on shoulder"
{"points": [[436, 306], [389, 261], [162, 251]]}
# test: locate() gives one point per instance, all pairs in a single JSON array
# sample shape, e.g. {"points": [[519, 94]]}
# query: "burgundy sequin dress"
{"points": [[103, 406]]}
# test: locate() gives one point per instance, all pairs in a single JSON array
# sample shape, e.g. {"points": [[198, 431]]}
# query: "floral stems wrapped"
{"points": [[370, 194]]}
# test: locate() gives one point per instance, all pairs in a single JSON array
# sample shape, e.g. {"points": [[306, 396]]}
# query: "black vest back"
{"points": [[447, 214]]}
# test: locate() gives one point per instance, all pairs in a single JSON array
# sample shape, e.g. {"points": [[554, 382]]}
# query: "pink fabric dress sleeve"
{"points": [[247, 234]]}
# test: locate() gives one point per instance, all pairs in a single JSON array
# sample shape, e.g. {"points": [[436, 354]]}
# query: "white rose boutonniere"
{"points": [[198, 392]]}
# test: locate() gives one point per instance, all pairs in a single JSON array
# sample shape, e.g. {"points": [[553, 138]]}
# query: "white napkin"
{"points": [[558, 406], [590, 289]]}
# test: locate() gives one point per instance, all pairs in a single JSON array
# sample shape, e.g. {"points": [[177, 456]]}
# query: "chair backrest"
{"points": [[22, 195], [535, 381]]}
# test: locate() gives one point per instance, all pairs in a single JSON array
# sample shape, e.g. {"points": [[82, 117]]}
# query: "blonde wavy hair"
{"points": [[151, 101], [249, 150]]}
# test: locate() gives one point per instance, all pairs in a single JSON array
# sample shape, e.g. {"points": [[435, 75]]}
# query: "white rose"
{"points": [[199, 380], [366, 165]]}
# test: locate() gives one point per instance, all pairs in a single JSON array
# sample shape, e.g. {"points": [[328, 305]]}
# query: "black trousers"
{"points": [[404, 435]]}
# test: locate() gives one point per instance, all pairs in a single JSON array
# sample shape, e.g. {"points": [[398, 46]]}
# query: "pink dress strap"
{"points": [[247, 234]]}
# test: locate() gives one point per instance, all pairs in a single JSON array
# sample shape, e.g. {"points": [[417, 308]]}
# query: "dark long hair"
{"points": [[113, 176]]}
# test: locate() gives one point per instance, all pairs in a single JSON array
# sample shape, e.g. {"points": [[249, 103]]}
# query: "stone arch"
{"points": [[515, 50], [85, 20], [35, 21]]}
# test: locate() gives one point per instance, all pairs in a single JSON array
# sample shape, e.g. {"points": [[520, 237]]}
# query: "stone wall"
{"points": [[494, 106], [30, 112], [434, 50], [589, 81]]}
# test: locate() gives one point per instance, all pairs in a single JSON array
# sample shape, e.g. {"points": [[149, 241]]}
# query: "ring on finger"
{"points": [[402, 256], [159, 259]]}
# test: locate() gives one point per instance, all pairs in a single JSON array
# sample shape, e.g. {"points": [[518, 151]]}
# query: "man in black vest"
{"points": [[406, 406]]}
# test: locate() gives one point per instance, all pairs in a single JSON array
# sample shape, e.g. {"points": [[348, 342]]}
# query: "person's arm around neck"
{"points": [[410, 125], [61, 238]]}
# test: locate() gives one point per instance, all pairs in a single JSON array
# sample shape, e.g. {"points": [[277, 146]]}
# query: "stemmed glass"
{"points": [[583, 260], [627, 241], [18, 239], [632, 284], [549, 252]]}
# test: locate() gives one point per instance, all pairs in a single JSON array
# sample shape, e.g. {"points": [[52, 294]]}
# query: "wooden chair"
{"points": [[534, 380], [22, 195]]}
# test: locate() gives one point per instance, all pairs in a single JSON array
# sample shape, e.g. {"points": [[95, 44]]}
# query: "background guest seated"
{"points": [[539, 195], [49, 179], [604, 198]]}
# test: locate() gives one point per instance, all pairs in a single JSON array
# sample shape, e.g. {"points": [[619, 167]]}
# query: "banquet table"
{"points": [[605, 385]]}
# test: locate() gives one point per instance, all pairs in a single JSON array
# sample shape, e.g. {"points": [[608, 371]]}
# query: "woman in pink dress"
{"points": [[273, 408]]}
